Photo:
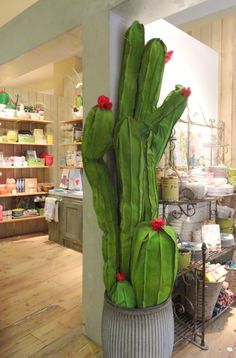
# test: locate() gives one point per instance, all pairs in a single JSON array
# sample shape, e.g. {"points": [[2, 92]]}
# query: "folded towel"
{"points": [[56, 215], [51, 209]]}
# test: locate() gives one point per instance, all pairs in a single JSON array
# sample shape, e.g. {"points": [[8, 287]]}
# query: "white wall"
{"points": [[193, 64]]}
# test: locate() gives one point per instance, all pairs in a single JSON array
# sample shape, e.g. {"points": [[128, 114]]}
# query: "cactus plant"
{"points": [[154, 262], [139, 260], [4, 97]]}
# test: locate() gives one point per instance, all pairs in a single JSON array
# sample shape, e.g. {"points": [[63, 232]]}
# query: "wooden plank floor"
{"points": [[40, 306], [40, 300]]}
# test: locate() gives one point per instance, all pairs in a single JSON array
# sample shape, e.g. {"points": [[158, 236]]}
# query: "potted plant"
{"points": [[7, 106], [35, 112], [139, 250]]}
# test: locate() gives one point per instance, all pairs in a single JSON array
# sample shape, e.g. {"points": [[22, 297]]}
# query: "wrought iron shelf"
{"points": [[195, 201], [184, 328], [186, 205], [187, 327], [213, 257]]}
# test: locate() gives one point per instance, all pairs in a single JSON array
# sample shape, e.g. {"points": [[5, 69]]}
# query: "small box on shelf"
{"points": [[38, 162], [31, 185]]}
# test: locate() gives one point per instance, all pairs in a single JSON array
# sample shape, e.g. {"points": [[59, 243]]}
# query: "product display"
{"points": [[20, 168]]}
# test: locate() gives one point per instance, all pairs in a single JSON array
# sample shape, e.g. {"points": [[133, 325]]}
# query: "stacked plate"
{"points": [[197, 235], [220, 190], [227, 240], [187, 229], [175, 223], [219, 171], [201, 212]]}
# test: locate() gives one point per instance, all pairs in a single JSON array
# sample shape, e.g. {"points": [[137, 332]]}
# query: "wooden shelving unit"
{"points": [[26, 218], [31, 144], [22, 120], [72, 121], [72, 143], [29, 167], [32, 171], [70, 167], [23, 194]]}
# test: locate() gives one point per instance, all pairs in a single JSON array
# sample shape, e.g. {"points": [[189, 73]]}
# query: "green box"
{"points": [[22, 138], [39, 162], [40, 211]]}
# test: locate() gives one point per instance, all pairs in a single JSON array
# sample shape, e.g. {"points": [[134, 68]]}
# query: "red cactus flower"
{"points": [[186, 91], [157, 224], [104, 103], [120, 276], [2, 91], [168, 56]]}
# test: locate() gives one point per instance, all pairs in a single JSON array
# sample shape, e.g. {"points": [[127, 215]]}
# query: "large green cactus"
{"points": [[139, 263]]}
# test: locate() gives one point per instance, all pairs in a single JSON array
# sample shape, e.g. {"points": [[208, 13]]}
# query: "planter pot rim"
{"points": [[136, 311]]}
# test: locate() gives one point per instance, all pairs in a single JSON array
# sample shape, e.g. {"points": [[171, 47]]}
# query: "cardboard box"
{"points": [[31, 185]]}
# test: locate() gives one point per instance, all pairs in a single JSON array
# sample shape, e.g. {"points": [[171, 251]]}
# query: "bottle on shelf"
{"points": [[1, 212], [17, 185]]}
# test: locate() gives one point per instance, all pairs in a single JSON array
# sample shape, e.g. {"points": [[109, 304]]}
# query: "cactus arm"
{"points": [[160, 125], [150, 78], [105, 208], [169, 113], [130, 165], [98, 133], [132, 55], [97, 140]]}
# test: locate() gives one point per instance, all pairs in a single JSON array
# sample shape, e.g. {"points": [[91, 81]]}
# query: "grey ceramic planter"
{"points": [[137, 333]]}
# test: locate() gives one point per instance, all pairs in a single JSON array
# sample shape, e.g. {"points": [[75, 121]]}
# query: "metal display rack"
{"points": [[190, 327]]}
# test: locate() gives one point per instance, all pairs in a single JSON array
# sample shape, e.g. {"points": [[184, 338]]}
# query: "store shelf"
{"points": [[72, 121], [214, 256], [28, 167], [22, 218], [30, 144], [21, 120], [72, 143], [70, 167], [23, 194], [195, 201], [185, 325]]}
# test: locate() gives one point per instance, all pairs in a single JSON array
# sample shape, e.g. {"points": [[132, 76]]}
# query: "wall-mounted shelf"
{"points": [[72, 143], [72, 121], [23, 194], [70, 167], [32, 144], [26, 218], [21, 120], [28, 167]]}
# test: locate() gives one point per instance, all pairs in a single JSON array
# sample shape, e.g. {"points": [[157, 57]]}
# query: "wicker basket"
{"points": [[231, 279], [212, 290]]}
